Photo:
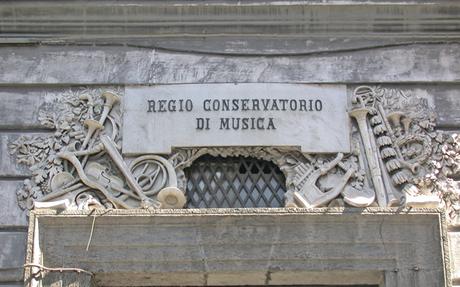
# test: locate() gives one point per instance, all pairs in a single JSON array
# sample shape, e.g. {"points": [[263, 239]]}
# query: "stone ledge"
{"points": [[210, 246], [235, 212]]}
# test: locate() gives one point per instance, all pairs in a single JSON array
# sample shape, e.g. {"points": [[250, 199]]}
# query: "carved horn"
{"points": [[112, 151]]}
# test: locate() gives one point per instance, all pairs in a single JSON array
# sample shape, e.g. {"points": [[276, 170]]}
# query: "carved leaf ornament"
{"points": [[398, 159]]}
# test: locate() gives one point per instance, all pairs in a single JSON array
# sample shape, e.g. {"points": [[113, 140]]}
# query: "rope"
{"points": [[62, 269], [69, 269], [91, 233], [93, 225]]}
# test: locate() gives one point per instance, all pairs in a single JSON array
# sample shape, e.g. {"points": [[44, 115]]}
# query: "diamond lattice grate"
{"points": [[216, 182]]}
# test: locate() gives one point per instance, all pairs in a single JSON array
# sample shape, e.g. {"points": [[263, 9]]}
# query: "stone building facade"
{"points": [[223, 143]]}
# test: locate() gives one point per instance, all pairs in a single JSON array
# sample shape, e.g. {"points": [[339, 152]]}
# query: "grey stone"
{"points": [[57, 279], [20, 107], [96, 65], [270, 46], [444, 98], [454, 242], [272, 23], [313, 117], [12, 255], [448, 106], [207, 246], [11, 214]]}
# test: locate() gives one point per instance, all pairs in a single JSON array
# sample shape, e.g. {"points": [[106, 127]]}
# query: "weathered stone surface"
{"points": [[20, 106], [12, 255], [447, 101], [312, 117], [225, 26], [215, 244], [60, 279], [97, 65], [444, 98], [11, 214], [454, 242], [270, 46], [322, 278]]}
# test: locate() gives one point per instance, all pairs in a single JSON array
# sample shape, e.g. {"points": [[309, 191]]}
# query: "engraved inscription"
{"points": [[312, 117]]}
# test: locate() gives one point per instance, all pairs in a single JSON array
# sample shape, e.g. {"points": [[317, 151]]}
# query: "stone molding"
{"points": [[162, 23]]}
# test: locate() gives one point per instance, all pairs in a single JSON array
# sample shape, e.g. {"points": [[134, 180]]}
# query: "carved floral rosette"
{"points": [[398, 159]]}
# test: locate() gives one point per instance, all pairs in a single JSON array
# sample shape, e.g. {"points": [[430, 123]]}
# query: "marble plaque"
{"points": [[312, 117]]}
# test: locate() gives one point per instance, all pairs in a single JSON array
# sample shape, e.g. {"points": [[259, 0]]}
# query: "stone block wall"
{"points": [[418, 55]]}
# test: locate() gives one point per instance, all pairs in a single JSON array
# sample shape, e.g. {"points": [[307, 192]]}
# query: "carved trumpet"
{"points": [[92, 126], [110, 100], [360, 115], [171, 197]]}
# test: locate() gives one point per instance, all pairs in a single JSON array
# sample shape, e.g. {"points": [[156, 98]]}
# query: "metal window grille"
{"points": [[217, 182]]}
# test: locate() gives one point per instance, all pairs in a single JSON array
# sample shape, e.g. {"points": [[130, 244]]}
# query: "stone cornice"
{"points": [[68, 21]]}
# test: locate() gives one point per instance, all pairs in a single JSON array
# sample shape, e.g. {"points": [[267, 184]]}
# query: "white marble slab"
{"points": [[313, 117]]}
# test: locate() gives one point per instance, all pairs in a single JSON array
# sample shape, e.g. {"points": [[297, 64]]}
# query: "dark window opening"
{"points": [[232, 182]]}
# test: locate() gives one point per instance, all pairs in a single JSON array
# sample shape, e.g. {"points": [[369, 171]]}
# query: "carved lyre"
{"points": [[310, 195]]}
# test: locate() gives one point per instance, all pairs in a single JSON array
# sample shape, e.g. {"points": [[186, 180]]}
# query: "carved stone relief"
{"points": [[398, 159]]}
